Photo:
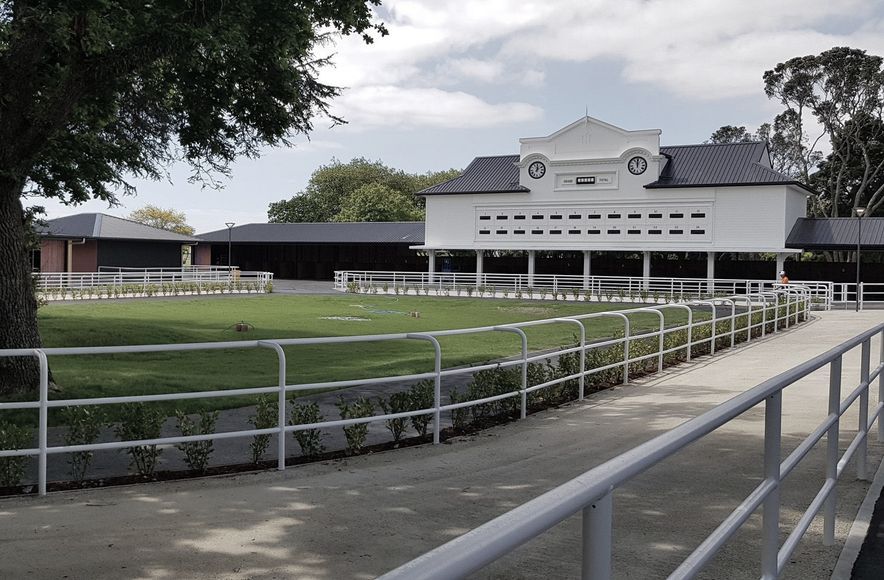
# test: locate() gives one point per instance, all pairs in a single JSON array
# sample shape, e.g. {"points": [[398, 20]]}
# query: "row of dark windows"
{"points": [[674, 232], [594, 216]]}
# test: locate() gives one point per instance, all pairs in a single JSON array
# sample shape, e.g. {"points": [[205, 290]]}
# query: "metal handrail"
{"points": [[591, 493], [282, 387]]}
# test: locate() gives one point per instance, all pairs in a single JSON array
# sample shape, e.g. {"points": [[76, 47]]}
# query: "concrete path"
{"points": [[361, 517]]}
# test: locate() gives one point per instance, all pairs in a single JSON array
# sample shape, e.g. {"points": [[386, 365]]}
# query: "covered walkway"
{"points": [[361, 517]]}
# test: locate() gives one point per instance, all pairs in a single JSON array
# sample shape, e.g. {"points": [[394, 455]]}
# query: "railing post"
{"points": [[597, 531], [832, 452], [863, 419], [44, 420], [881, 391], [437, 382], [770, 524], [690, 332], [625, 350], [524, 390], [281, 416]]}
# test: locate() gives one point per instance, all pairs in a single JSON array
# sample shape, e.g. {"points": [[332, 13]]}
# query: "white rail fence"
{"points": [[757, 313], [591, 493], [133, 282], [571, 287]]}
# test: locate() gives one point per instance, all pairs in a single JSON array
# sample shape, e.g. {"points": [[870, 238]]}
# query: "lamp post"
{"points": [[229, 245], [859, 234]]}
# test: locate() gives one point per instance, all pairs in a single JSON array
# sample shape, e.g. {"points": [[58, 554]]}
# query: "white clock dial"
{"points": [[537, 170], [637, 165]]}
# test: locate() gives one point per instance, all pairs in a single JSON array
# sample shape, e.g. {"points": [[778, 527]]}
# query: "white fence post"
{"points": [[44, 420], [829, 510], [770, 525], [598, 520], [863, 419], [281, 401]]}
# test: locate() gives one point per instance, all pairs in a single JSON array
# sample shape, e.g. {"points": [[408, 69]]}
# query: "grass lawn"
{"points": [[209, 319]]}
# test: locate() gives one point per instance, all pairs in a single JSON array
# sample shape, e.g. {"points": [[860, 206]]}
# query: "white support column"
{"points": [[710, 272], [480, 266], [587, 265], [531, 256], [781, 260], [431, 269], [646, 269]]}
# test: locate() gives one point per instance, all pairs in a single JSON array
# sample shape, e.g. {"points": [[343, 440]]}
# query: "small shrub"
{"points": [[139, 422], [12, 469], [310, 440], [84, 425], [197, 453], [357, 433], [264, 418], [460, 418], [422, 395], [395, 403]]}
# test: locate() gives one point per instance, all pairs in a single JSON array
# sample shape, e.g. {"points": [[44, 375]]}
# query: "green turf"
{"points": [[209, 319]]}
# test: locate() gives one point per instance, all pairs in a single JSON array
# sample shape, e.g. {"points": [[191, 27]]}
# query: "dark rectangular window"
{"points": [[518, 217], [518, 232], [593, 231], [555, 217], [613, 231], [555, 232], [574, 216], [502, 217], [698, 232], [655, 232], [484, 217], [536, 231], [698, 215], [594, 216], [655, 216], [635, 216], [633, 232], [501, 232], [676, 216], [573, 231], [537, 217], [484, 232], [613, 216], [676, 232]]}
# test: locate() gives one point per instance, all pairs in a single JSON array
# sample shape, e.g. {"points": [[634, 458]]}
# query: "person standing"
{"points": [[783, 278]]}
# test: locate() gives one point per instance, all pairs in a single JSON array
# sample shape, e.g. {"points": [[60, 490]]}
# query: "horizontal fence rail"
{"points": [[117, 282], [731, 320], [591, 494], [569, 287]]}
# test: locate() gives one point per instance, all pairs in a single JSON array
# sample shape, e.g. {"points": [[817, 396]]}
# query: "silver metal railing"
{"points": [[603, 288], [780, 309], [591, 493]]}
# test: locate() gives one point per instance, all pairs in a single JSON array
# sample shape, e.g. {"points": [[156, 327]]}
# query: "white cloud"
{"points": [[391, 106]]}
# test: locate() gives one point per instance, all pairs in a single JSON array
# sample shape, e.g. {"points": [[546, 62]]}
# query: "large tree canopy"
{"points": [[842, 90], [340, 192], [93, 92]]}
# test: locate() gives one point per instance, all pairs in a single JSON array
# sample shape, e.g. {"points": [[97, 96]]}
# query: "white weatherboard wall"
{"points": [[605, 215]]}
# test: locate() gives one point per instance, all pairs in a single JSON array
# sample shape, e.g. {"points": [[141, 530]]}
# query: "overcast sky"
{"points": [[456, 79]]}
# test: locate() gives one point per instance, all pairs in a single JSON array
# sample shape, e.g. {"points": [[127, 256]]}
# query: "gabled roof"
{"points": [[705, 165], [718, 164], [99, 226], [497, 174], [322, 233], [836, 233]]}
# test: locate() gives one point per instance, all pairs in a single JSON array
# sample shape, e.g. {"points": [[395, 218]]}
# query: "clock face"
{"points": [[637, 165], [537, 170]]}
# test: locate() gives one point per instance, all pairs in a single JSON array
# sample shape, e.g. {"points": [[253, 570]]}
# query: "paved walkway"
{"points": [[361, 517]]}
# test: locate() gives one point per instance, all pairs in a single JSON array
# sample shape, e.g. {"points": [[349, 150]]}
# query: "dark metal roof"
{"points": [[99, 226], [836, 233], [718, 164], [323, 233], [703, 165], [497, 174]]}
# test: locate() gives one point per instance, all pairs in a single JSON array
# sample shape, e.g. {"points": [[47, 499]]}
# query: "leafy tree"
{"points": [[732, 134], [786, 156], [326, 194], [842, 89], [164, 219], [376, 202], [92, 92]]}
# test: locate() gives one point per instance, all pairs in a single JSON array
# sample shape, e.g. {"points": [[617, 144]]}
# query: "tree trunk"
{"points": [[18, 305]]}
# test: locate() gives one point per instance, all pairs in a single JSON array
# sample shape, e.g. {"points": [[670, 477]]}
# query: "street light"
{"points": [[859, 234], [229, 233]]}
